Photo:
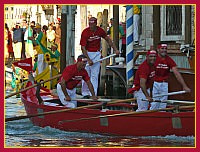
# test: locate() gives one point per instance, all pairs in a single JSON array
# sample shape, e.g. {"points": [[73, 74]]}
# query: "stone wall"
{"points": [[146, 39]]}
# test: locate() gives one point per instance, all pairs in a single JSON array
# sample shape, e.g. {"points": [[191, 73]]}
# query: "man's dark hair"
{"points": [[82, 56], [33, 22], [45, 27]]}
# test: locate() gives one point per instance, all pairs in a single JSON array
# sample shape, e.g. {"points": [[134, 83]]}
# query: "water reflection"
{"points": [[74, 139]]}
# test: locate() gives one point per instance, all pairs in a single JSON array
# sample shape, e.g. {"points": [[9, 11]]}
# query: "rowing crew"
{"points": [[90, 45], [151, 79]]}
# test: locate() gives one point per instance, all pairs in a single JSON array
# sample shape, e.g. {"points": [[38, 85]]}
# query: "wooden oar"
{"points": [[34, 85], [167, 94], [171, 93], [100, 100], [103, 59], [177, 101], [65, 110], [172, 101], [126, 113]]}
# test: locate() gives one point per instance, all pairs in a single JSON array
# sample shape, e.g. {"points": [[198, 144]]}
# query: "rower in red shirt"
{"points": [[71, 76], [90, 45], [143, 81], [163, 65]]}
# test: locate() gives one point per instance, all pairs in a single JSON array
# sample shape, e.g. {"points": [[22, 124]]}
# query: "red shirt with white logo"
{"points": [[144, 71], [92, 40], [163, 66], [72, 76]]}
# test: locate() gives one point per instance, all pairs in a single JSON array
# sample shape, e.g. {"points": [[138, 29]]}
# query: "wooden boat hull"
{"points": [[147, 124]]}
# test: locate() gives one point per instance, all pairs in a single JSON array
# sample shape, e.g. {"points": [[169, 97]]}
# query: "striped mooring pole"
{"points": [[129, 45]]}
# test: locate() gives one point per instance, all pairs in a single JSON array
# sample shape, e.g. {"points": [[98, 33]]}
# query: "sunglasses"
{"points": [[163, 48]]}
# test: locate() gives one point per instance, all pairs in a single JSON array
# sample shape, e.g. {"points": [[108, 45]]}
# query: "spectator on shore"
{"points": [[40, 40], [9, 44], [136, 23], [17, 40], [121, 34], [50, 36], [58, 33], [123, 51], [24, 26], [29, 50]]}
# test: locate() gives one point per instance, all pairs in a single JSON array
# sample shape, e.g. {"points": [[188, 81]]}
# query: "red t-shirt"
{"points": [[92, 40], [144, 71], [163, 66], [72, 76]]}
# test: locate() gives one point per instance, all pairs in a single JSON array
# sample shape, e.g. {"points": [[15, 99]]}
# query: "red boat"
{"points": [[116, 117]]}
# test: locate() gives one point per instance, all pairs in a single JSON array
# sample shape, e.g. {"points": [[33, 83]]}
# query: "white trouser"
{"points": [[159, 88], [17, 49], [6, 54], [142, 105], [71, 93], [93, 72], [136, 19], [41, 65], [29, 50]]}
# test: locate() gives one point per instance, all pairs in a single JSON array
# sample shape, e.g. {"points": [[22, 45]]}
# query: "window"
{"points": [[172, 22]]}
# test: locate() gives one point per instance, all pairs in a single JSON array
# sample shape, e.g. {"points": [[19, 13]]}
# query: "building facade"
{"points": [[173, 24]]}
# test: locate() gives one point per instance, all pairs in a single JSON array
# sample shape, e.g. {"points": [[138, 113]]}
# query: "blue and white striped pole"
{"points": [[129, 44]]}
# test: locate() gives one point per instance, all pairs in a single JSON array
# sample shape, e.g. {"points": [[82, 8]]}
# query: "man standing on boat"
{"points": [[163, 65], [71, 76], [143, 81], [90, 45]]}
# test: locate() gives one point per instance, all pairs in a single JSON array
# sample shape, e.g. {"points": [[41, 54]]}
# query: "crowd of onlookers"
{"points": [[19, 44]]}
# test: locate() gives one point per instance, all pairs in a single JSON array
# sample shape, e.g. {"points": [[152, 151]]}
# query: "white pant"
{"points": [[136, 19], [93, 72], [159, 88], [142, 105], [71, 93], [29, 50], [17, 48], [41, 65]]}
